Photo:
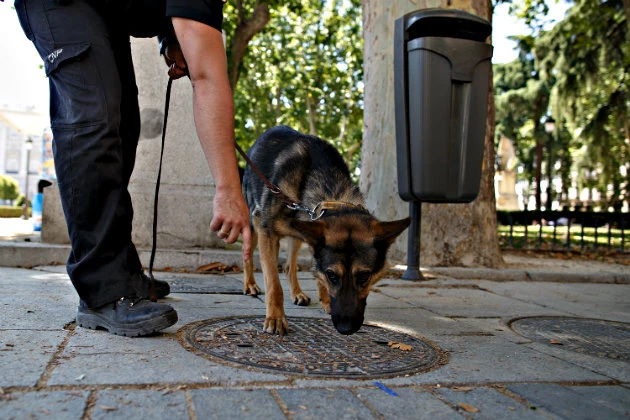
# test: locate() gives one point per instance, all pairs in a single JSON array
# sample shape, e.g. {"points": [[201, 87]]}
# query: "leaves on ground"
{"points": [[218, 268], [400, 346], [469, 408]]}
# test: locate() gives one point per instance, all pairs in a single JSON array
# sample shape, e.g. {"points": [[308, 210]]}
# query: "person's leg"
{"points": [[94, 148]]}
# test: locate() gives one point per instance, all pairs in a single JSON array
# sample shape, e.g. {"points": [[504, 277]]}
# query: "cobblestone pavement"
{"points": [[489, 368]]}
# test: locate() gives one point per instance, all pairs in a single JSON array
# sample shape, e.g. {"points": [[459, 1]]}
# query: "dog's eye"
{"points": [[362, 278], [332, 277]]}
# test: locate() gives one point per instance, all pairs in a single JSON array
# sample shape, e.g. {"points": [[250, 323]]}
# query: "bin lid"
{"points": [[448, 23]]}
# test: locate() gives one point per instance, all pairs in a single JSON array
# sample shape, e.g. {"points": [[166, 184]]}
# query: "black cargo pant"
{"points": [[96, 124]]}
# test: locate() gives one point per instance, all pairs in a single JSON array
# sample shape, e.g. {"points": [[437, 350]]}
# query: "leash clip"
{"points": [[313, 213]]}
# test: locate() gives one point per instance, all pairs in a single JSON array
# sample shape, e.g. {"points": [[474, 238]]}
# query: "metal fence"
{"points": [[564, 230]]}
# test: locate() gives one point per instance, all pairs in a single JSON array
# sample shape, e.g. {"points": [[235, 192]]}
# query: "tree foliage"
{"points": [[9, 189], [587, 55], [578, 72], [304, 69], [521, 101]]}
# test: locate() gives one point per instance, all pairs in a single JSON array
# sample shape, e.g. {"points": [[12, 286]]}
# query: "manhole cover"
{"points": [[590, 336], [313, 348], [202, 286]]}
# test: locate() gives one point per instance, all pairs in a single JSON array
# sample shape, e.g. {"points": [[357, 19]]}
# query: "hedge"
{"points": [[12, 211]]}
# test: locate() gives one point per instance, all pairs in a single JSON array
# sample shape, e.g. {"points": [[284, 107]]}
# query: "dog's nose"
{"points": [[347, 325]]}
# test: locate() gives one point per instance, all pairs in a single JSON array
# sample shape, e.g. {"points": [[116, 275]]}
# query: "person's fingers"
{"points": [[232, 237]]}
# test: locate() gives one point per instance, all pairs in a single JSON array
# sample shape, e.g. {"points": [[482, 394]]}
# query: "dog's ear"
{"points": [[310, 231], [388, 231]]}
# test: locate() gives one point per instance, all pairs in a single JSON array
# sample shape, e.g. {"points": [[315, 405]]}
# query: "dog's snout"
{"points": [[347, 318], [347, 326]]}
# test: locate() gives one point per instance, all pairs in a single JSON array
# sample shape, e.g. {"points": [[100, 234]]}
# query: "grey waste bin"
{"points": [[441, 70]]}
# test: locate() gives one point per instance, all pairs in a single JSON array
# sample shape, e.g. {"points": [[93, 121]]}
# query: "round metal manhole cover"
{"points": [[312, 348], [589, 336]]}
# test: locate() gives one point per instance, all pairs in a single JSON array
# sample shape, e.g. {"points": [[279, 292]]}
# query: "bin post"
{"points": [[413, 243]]}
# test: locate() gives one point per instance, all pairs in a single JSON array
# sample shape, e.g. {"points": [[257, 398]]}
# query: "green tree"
{"points": [[304, 69], [587, 55], [521, 101], [9, 189]]}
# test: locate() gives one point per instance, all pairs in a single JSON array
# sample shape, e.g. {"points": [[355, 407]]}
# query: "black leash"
{"points": [[167, 101]]}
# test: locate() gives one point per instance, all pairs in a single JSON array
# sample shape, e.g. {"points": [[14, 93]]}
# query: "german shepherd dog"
{"points": [[349, 245]]}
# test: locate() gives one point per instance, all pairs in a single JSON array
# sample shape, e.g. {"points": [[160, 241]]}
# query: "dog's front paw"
{"points": [[251, 289], [276, 325], [301, 299]]}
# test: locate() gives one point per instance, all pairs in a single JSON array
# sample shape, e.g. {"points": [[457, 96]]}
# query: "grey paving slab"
{"points": [[235, 404], [97, 357], [32, 299], [406, 403], [212, 301], [124, 404], [43, 405], [487, 403], [564, 402], [489, 359], [419, 322], [603, 301], [463, 302], [46, 308], [615, 397], [612, 368], [324, 403], [15, 276], [24, 355]]}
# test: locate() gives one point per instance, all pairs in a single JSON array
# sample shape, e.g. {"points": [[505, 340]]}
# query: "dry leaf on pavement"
{"points": [[400, 346], [469, 408]]}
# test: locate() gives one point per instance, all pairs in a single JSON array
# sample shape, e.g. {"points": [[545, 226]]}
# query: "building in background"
{"points": [[25, 148]]}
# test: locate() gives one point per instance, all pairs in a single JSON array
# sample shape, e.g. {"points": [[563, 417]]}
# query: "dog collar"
{"points": [[321, 208]]}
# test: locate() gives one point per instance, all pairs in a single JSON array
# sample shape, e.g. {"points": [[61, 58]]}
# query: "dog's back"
{"points": [[307, 170]]}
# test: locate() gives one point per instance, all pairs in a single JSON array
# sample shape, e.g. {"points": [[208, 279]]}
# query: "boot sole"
{"points": [[94, 321]]}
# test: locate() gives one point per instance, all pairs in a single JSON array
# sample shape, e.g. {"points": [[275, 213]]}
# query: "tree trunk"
{"points": [[538, 171], [452, 234], [245, 31]]}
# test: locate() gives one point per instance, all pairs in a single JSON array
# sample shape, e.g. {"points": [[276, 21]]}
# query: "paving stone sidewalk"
{"points": [[49, 368]]}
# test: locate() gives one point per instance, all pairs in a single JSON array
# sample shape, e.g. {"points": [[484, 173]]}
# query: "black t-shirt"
{"points": [[148, 18], [209, 12]]}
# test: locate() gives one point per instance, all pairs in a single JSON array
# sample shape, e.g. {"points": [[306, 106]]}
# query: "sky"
{"points": [[23, 83]]}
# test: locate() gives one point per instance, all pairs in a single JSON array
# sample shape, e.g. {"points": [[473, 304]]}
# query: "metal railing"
{"points": [[564, 230]]}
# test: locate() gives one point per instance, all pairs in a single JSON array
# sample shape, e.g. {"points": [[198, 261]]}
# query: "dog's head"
{"points": [[350, 253]]}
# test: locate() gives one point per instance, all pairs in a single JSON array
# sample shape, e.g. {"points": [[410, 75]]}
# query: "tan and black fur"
{"points": [[349, 245]]}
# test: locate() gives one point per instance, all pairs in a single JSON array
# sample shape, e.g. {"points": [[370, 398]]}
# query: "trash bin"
{"points": [[441, 70]]}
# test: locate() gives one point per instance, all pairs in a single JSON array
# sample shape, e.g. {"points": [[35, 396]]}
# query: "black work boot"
{"points": [[143, 282], [128, 316]]}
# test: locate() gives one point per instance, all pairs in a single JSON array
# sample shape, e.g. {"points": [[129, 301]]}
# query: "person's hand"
{"points": [[175, 60], [230, 218]]}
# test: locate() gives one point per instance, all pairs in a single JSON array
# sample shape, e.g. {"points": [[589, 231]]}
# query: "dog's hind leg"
{"points": [[298, 297], [249, 282], [275, 320]]}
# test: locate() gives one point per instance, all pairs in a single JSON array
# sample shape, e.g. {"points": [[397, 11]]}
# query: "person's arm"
{"points": [[213, 107]]}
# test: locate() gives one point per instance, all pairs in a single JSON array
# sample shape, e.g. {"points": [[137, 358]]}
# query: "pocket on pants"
{"points": [[63, 54]]}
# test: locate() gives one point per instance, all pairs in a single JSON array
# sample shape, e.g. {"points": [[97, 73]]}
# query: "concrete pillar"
{"points": [[187, 187]]}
